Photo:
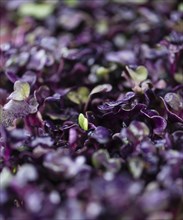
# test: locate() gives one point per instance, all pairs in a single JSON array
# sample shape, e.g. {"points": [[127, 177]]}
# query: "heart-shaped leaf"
{"points": [[79, 96], [21, 91], [139, 75]]}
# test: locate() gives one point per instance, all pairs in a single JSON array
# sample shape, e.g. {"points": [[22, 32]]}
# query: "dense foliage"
{"points": [[91, 110]]}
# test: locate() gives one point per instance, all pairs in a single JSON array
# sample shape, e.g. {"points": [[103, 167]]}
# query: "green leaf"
{"points": [[73, 97], [83, 122], [83, 93], [21, 91], [80, 96], [71, 3], [101, 88], [178, 77], [22, 148], [139, 75], [14, 170], [99, 157], [102, 71], [180, 7], [102, 27], [5, 177], [39, 11]]}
